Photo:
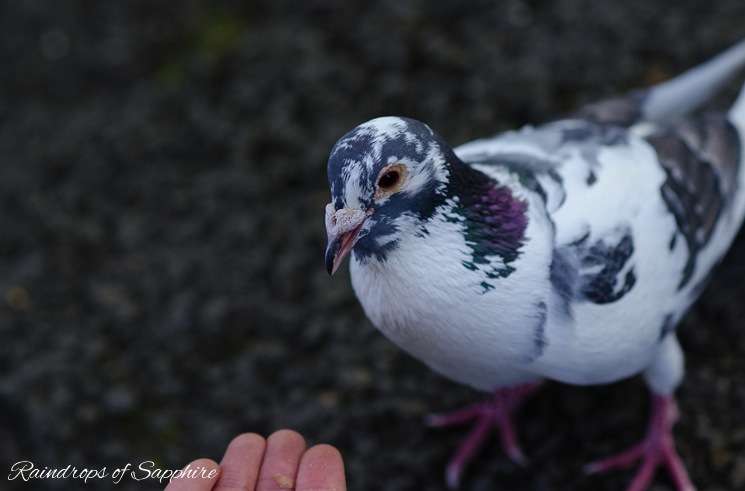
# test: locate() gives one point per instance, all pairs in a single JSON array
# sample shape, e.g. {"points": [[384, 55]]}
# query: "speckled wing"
{"points": [[701, 159]]}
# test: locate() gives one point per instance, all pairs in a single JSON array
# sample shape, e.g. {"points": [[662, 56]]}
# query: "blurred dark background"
{"points": [[162, 184]]}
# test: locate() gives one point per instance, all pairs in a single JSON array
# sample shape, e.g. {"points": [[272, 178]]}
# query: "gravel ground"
{"points": [[162, 184]]}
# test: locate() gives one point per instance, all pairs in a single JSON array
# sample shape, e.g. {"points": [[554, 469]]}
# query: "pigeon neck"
{"points": [[494, 220]]}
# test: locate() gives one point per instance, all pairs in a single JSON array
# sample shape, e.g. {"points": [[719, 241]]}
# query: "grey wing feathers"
{"points": [[701, 159]]}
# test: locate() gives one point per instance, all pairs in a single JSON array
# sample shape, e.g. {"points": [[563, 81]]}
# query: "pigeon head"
{"points": [[386, 176]]}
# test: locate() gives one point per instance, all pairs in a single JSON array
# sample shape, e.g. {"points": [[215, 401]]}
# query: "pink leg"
{"points": [[657, 449], [496, 413]]}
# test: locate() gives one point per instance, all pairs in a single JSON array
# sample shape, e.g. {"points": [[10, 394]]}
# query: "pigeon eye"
{"points": [[390, 180]]}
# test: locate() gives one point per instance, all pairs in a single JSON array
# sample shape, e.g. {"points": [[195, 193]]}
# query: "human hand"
{"points": [[280, 462]]}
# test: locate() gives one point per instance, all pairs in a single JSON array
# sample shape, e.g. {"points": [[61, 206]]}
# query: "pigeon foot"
{"points": [[496, 413], [656, 450]]}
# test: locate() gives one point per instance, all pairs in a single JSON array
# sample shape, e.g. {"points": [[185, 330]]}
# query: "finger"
{"points": [[284, 449], [198, 482], [321, 468], [239, 467]]}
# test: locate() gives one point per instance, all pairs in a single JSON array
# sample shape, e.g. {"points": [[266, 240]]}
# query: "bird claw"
{"points": [[496, 413], [657, 449]]}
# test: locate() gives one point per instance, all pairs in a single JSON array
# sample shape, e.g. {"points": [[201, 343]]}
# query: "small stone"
{"points": [[17, 298], [284, 482], [329, 398]]}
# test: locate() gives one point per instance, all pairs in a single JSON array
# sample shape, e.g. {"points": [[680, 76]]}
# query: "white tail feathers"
{"points": [[685, 93]]}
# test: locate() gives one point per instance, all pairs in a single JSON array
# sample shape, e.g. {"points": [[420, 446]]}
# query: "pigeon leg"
{"points": [[495, 413], [656, 450]]}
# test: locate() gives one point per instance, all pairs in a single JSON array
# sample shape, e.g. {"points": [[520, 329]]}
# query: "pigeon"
{"points": [[567, 251]]}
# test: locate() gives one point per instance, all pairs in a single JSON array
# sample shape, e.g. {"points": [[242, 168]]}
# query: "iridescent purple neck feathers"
{"points": [[494, 221]]}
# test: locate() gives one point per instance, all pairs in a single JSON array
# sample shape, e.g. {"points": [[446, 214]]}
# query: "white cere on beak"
{"points": [[340, 222]]}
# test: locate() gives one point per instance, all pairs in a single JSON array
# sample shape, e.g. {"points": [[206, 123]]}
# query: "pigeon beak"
{"points": [[342, 227]]}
